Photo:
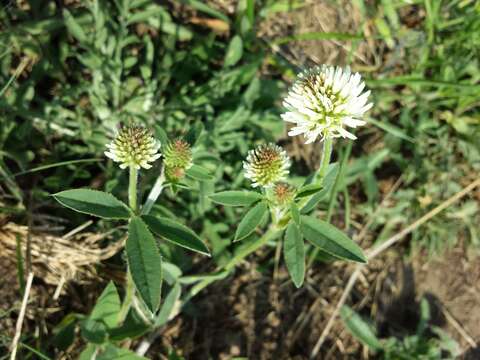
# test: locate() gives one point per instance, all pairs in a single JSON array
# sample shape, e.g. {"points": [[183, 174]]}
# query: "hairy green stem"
{"points": [[336, 184], [127, 301], [346, 195], [243, 252], [154, 193], [132, 188], [317, 179], [325, 160], [129, 285]]}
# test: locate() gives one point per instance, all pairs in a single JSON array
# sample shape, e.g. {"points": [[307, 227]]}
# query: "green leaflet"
{"points": [[176, 233], [251, 220], [199, 173], [93, 202], [331, 240], [145, 263], [294, 254], [236, 197]]}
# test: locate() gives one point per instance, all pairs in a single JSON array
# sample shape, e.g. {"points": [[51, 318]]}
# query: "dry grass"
{"points": [[58, 259]]}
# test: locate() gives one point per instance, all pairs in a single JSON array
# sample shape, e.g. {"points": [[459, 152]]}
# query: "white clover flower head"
{"points": [[266, 165], [324, 101], [134, 146]]}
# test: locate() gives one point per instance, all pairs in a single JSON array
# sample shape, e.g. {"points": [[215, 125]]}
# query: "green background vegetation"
{"points": [[70, 74]]}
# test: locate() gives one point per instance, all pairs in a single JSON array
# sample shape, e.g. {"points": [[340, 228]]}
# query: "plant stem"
{"points": [[346, 195], [154, 193], [324, 161], [130, 286], [127, 301], [132, 188], [335, 189], [317, 178], [243, 252]]}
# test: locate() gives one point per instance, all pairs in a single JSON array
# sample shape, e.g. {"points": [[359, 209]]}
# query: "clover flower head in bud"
{"points": [[324, 101], [177, 158], [134, 146], [283, 193], [266, 165]]}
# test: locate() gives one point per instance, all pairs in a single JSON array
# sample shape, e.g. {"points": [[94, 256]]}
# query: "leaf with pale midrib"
{"points": [[93, 202], [176, 233], [294, 254], [331, 240], [236, 197], [145, 263], [251, 220]]}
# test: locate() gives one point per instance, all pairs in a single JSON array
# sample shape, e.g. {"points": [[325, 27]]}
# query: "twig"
{"points": [[18, 71], [369, 223], [77, 229], [59, 288], [373, 253], [18, 327], [384, 246], [458, 327], [343, 298], [62, 281], [28, 246]]}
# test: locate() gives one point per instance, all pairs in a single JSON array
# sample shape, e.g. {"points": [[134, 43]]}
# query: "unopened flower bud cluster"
{"points": [[177, 159]]}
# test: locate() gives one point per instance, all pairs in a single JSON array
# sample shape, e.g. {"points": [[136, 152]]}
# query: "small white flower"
{"points": [[266, 165], [134, 146], [323, 101]]}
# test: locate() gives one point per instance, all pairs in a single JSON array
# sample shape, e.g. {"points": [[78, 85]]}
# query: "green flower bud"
{"points": [[177, 159], [283, 193]]}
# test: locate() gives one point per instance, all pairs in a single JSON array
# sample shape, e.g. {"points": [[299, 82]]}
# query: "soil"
{"points": [[258, 316], [262, 316], [452, 284]]}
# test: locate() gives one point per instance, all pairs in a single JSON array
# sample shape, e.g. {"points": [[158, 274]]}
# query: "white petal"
{"points": [[294, 117], [111, 156], [353, 122], [312, 136], [345, 133], [296, 131]]}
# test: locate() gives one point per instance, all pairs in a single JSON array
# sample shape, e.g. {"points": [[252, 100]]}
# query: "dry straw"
{"points": [[58, 259]]}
